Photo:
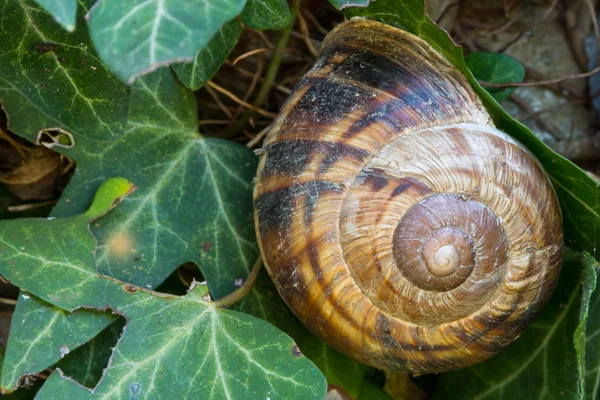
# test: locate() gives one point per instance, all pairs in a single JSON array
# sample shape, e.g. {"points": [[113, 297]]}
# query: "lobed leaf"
{"points": [[266, 14], [136, 37], [86, 364], [193, 198], [53, 79], [41, 335], [193, 202], [341, 372], [341, 4], [592, 339], [63, 11], [196, 73], [495, 68], [219, 353]]}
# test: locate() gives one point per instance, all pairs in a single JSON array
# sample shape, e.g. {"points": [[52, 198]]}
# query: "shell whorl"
{"points": [[397, 223]]}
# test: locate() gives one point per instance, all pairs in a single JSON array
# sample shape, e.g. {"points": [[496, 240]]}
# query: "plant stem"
{"points": [[269, 78], [241, 291]]}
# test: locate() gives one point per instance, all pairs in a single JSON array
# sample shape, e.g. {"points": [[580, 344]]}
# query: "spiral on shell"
{"points": [[396, 221]]}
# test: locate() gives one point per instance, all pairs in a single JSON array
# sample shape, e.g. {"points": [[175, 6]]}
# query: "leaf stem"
{"points": [[269, 78], [241, 291]]}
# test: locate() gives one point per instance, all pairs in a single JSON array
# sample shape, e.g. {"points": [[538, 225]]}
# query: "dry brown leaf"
{"points": [[34, 177]]}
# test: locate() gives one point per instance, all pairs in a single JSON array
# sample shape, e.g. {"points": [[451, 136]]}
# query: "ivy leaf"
{"points": [[543, 362], [23, 394], [193, 199], [592, 339], [578, 193], [87, 363], [40, 335], [63, 11], [193, 202], [588, 289], [495, 68], [341, 372], [52, 79], [212, 343], [195, 74], [136, 37], [341, 4], [266, 14]]}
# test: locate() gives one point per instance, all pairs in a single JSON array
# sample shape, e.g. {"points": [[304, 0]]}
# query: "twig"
{"points": [[218, 101], [214, 122], [10, 302], [242, 290], [244, 72], [13, 143], [269, 79], [549, 10], [306, 37], [539, 83], [263, 37], [233, 97], [253, 82], [25, 207], [259, 136], [316, 23], [250, 53]]}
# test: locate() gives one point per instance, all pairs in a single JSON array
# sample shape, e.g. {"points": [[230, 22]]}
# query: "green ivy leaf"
{"points": [[266, 14], [87, 363], [136, 37], [543, 362], [53, 79], [195, 74], [495, 68], [578, 193], [187, 331], [23, 394], [187, 187], [588, 289], [193, 197], [264, 302], [63, 11], [592, 340], [41, 335], [341, 4]]}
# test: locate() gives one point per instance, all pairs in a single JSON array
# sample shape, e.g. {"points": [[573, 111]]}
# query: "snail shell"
{"points": [[396, 221]]}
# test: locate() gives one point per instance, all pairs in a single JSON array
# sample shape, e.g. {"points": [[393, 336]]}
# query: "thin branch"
{"points": [[25, 207], [212, 94], [242, 290], [306, 37], [233, 97], [269, 79], [250, 53], [253, 83], [258, 137], [10, 302], [540, 83]]}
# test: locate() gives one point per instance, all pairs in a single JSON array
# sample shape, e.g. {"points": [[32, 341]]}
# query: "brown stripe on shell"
{"points": [[290, 158]]}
